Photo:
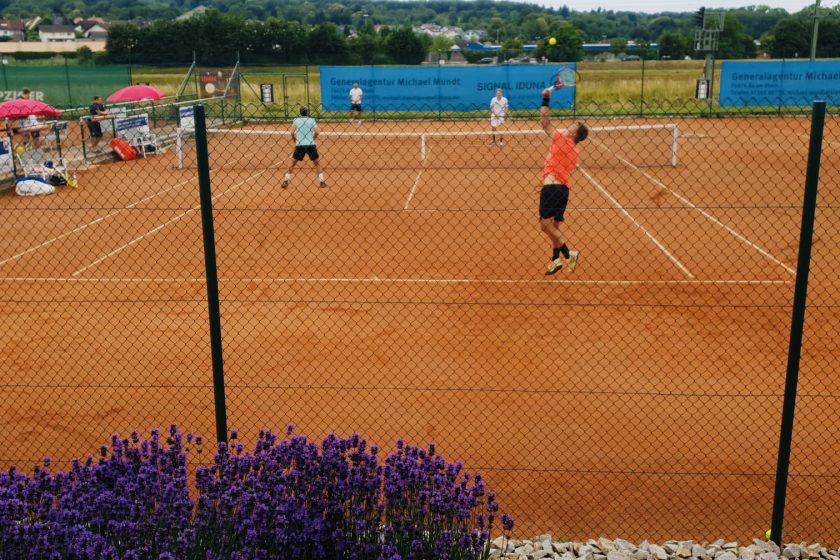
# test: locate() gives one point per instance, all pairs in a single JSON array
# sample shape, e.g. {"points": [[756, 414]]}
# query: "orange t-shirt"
{"points": [[562, 158]]}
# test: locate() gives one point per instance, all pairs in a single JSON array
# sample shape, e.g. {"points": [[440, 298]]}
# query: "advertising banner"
{"points": [[442, 88], [779, 83]]}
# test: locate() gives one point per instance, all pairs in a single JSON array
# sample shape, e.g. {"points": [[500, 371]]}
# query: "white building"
{"points": [[13, 29], [55, 33]]}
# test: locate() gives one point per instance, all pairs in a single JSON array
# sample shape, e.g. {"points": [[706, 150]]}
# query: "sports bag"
{"points": [[32, 186], [123, 149]]}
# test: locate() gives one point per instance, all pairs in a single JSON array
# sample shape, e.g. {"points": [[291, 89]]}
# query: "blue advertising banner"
{"points": [[442, 88], [787, 83]]}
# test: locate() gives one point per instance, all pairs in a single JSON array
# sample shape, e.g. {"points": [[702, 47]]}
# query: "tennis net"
{"points": [[610, 146]]}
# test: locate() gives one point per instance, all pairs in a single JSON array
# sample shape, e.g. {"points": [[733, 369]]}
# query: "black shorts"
{"points": [[356, 107], [95, 129], [553, 201], [301, 151]]}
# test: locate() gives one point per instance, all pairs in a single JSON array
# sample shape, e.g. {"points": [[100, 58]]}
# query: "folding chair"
{"points": [[143, 142], [56, 135], [136, 131]]}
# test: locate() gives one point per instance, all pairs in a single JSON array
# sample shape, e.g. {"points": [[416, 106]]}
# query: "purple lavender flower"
{"points": [[289, 497]]}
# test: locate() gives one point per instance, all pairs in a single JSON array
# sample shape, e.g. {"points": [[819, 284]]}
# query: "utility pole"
{"points": [[816, 30]]}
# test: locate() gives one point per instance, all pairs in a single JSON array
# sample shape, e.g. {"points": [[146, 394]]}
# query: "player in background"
{"points": [[562, 157], [498, 112], [304, 132], [356, 96]]}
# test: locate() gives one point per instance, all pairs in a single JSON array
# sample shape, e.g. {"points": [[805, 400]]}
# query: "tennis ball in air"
{"points": [[552, 41], [767, 534]]}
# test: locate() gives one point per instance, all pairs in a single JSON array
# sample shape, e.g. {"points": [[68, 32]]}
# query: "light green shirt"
{"points": [[304, 131]]}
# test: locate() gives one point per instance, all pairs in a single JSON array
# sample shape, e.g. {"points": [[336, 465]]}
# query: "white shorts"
{"points": [[496, 122]]}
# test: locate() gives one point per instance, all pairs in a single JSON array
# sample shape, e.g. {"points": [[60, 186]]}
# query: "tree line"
{"points": [[217, 37]]}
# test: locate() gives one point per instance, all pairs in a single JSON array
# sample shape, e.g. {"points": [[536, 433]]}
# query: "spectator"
{"points": [[97, 114], [30, 127]]}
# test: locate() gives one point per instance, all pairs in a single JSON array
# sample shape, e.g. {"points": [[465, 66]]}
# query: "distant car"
{"points": [[523, 60], [485, 60], [632, 57]]}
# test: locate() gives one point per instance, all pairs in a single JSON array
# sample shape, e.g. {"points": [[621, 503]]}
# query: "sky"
{"points": [[652, 6]]}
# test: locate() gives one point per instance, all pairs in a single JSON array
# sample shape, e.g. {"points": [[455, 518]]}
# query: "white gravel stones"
{"points": [[544, 548]]}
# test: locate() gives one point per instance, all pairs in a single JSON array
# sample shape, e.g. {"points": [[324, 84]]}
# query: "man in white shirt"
{"points": [[356, 95], [498, 112]]}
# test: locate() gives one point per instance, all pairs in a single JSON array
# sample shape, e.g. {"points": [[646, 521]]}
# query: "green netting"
{"points": [[65, 85]]}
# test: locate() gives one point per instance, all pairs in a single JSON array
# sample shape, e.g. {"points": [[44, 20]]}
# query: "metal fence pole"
{"points": [[67, 75], [642, 95], [203, 162], [798, 319]]}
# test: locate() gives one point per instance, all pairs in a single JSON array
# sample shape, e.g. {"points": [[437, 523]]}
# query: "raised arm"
{"points": [[545, 121]]}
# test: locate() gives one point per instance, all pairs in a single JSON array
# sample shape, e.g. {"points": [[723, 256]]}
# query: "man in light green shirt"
{"points": [[304, 132]]}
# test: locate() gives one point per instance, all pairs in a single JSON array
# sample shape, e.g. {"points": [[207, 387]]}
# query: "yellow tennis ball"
{"points": [[767, 534], [20, 149], [552, 41]]}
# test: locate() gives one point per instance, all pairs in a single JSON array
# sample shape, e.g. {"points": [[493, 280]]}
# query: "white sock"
{"points": [[288, 177], [321, 177]]}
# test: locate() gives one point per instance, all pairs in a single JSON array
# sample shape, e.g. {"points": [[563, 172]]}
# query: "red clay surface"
{"points": [[638, 397]]}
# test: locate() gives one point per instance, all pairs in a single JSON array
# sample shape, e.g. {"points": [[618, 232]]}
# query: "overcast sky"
{"points": [[652, 6]]}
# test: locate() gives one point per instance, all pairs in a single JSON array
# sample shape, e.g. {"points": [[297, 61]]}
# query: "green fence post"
{"points": [[642, 98], [206, 197], [809, 206], [82, 126]]}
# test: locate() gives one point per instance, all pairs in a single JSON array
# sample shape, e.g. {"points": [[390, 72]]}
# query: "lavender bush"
{"points": [[288, 499]]}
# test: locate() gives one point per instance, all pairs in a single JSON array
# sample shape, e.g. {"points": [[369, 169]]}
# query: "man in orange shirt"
{"points": [[561, 160]]}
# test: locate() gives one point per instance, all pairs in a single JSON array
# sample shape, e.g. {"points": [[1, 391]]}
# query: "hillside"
{"points": [[502, 20]]}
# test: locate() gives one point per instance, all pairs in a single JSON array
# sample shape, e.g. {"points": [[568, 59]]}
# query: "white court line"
{"points": [[377, 280], [417, 180], [650, 236], [705, 214], [163, 225], [94, 222]]}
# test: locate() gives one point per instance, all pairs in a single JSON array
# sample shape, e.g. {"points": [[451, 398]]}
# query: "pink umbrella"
{"points": [[136, 93], [20, 108]]}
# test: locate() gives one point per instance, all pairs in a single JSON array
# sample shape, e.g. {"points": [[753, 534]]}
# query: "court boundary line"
{"points": [[416, 181], [661, 246], [375, 279], [166, 223], [89, 224], [686, 202]]}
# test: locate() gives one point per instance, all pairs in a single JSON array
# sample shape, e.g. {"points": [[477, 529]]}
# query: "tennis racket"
{"points": [[71, 179], [567, 76]]}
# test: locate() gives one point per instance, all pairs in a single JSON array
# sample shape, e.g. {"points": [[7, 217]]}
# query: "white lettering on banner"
{"points": [[138, 123], [9, 94], [186, 118]]}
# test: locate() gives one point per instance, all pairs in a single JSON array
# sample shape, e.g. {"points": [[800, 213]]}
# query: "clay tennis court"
{"points": [[638, 397]]}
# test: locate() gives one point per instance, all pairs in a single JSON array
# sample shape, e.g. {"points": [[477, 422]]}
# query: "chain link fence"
{"points": [[403, 294]]}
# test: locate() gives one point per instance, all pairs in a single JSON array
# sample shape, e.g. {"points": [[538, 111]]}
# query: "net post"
{"points": [[206, 197], [809, 206]]}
